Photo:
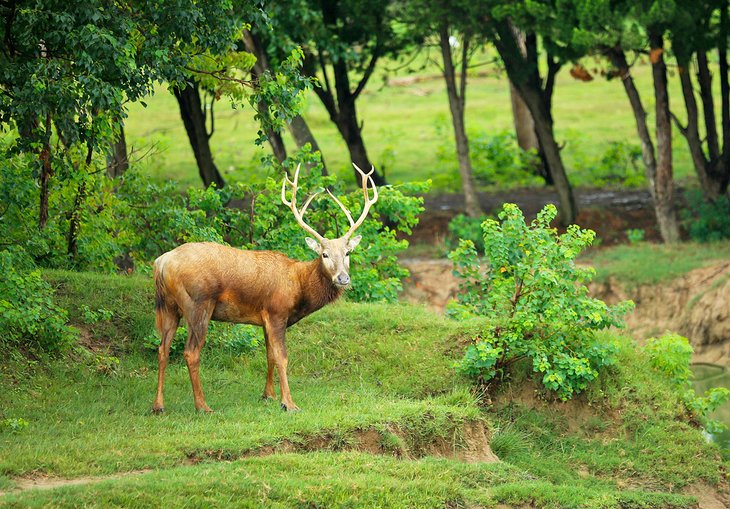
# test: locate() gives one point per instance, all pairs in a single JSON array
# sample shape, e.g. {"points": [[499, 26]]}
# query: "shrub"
{"points": [[28, 316], [537, 302], [467, 228], [620, 165], [706, 220], [236, 338], [671, 355]]}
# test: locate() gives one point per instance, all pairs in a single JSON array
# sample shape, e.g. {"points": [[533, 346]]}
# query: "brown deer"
{"points": [[206, 281]]}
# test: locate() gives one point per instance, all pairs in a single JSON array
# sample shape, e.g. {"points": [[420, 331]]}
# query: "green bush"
{"points": [[28, 317], [466, 228], [706, 220], [620, 165], [671, 355], [499, 161], [537, 302], [238, 339]]}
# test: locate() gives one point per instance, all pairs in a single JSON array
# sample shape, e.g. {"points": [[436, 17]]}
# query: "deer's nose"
{"points": [[343, 279]]}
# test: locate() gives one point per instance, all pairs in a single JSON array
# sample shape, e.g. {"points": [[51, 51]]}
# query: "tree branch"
{"points": [[368, 71]]}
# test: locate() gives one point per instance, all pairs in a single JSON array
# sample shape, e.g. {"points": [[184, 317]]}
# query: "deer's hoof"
{"points": [[204, 410], [267, 398], [292, 408], [158, 410]]}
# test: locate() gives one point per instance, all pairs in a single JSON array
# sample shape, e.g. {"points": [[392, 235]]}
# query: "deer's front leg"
{"points": [[275, 330]]}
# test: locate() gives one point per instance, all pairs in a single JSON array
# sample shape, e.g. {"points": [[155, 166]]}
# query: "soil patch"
{"points": [[470, 443], [44, 482]]}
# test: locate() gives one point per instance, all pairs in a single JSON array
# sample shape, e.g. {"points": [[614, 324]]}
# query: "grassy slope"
{"points": [[353, 367], [406, 126], [648, 264]]}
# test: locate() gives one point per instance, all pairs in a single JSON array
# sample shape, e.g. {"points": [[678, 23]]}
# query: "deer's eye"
{"points": [[347, 253], [325, 255]]}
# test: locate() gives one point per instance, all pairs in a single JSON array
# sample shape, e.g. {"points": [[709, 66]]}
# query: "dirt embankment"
{"points": [[696, 305]]}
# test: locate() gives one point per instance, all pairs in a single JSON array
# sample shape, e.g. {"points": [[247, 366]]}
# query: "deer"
{"points": [[205, 281]]}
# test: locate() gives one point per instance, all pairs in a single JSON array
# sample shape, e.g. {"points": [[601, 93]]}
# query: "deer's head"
{"points": [[334, 253]]}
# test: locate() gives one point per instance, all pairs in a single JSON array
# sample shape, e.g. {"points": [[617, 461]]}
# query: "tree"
{"points": [[503, 27], [453, 28], [343, 39], [263, 48], [697, 29], [67, 69], [613, 28]]}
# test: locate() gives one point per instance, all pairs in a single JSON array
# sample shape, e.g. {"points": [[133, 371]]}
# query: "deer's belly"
{"points": [[235, 312]]}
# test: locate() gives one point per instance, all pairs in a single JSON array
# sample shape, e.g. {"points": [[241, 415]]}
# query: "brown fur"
{"points": [[204, 281]]}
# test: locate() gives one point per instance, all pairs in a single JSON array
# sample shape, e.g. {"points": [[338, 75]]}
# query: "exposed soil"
{"points": [[44, 482], [469, 443]]}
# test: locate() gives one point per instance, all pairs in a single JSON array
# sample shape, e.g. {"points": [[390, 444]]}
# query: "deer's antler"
{"points": [[298, 213]]}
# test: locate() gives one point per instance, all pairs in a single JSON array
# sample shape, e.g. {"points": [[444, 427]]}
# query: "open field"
{"points": [[408, 130], [386, 421]]}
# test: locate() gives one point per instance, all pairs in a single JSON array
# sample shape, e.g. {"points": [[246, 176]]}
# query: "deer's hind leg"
{"points": [[198, 319], [167, 320]]}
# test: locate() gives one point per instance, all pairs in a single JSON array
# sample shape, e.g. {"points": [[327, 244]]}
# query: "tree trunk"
{"points": [[543, 126], [724, 160], [117, 161], [456, 104], [618, 59], [710, 186], [193, 116], [302, 135], [524, 74], [46, 173], [664, 183]]}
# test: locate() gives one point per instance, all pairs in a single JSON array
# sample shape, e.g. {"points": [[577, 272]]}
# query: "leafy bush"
{"points": [[619, 165], [236, 338], [537, 302], [706, 220], [158, 220], [498, 160], [467, 228], [635, 235], [671, 355], [28, 316]]}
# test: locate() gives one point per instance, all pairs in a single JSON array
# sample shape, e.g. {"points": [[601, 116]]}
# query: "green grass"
{"points": [[406, 127], [647, 264], [353, 368]]}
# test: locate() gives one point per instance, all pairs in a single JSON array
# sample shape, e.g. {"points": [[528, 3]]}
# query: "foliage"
{"points": [[159, 220], [29, 318], [537, 303], [635, 235], [238, 339], [619, 165], [466, 228], [498, 160], [671, 355], [13, 425], [706, 220], [634, 265]]}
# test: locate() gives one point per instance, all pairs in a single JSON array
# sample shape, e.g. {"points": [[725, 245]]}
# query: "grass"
{"points": [[407, 129], [354, 367], [648, 264]]}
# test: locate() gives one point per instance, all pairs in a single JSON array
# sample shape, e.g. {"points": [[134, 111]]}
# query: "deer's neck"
{"points": [[318, 290]]}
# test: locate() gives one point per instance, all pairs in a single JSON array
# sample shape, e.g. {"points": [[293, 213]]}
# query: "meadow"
{"points": [[407, 127]]}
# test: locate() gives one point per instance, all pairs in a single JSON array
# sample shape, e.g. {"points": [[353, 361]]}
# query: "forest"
{"points": [[496, 236]]}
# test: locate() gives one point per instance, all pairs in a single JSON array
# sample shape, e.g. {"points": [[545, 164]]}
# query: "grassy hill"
{"points": [[386, 422]]}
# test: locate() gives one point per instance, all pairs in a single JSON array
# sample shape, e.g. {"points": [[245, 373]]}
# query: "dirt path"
{"points": [[43, 482]]}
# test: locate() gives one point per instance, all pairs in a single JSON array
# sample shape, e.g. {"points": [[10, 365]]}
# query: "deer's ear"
{"points": [[313, 245], [354, 241]]}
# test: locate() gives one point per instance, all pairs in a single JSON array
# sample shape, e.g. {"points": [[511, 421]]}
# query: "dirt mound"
{"points": [[696, 305], [469, 443]]}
